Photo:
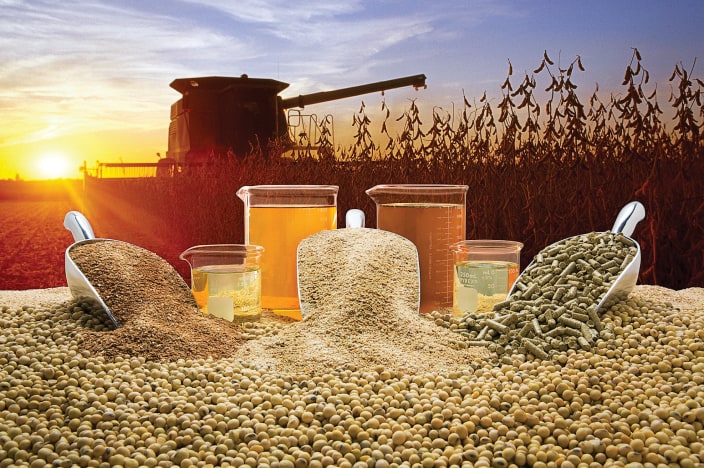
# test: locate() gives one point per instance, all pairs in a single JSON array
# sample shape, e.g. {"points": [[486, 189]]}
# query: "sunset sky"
{"points": [[88, 80]]}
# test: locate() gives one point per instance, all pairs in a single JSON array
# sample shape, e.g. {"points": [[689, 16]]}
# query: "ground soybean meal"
{"points": [[360, 289], [159, 318]]}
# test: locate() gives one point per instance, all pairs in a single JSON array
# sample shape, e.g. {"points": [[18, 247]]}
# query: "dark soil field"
{"points": [[32, 242]]}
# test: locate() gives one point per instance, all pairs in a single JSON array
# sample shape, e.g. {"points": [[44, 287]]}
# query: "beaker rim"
{"points": [[222, 249], [262, 189], [419, 188], [497, 244]]}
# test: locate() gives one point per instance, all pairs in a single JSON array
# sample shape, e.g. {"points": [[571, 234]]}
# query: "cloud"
{"points": [[89, 64], [76, 65], [282, 11], [98, 66]]}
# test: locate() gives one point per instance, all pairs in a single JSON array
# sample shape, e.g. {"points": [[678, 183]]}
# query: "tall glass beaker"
{"points": [[278, 217], [433, 217]]}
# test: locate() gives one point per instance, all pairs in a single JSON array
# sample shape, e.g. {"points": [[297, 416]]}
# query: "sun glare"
{"points": [[53, 166]]}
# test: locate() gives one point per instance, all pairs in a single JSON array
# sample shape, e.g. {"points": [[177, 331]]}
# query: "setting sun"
{"points": [[53, 166]]}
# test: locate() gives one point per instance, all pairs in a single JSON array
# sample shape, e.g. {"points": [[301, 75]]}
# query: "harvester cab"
{"points": [[218, 116]]}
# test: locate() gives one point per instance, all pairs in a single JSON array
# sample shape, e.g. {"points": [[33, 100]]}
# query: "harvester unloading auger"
{"points": [[219, 115]]}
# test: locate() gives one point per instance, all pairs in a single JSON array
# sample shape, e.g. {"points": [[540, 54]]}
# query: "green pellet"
{"points": [[510, 319], [499, 327], [529, 291], [591, 312], [560, 293], [579, 316], [559, 311], [480, 343], [569, 269], [534, 349], [626, 261], [526, 329], [624, 240], [583, 343], [569, 322]]}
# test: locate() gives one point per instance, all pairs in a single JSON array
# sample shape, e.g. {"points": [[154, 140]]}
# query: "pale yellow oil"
{"points": [[478, 285], [231, 292]]}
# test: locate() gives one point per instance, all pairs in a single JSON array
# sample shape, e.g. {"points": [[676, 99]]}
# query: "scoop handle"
{"points": [[354, 218], [79, 226], [628, 218]]}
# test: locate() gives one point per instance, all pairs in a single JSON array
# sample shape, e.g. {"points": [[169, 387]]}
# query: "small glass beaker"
{"points": [[226, 280], [278, 217], [432, 216], [484, 273]]}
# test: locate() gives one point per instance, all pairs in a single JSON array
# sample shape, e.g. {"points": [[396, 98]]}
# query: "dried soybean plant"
{"points": [[538, 170]]}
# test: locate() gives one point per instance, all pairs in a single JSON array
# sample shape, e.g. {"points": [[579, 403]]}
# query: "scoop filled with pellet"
{"points": [[553, 305], [610, 266]]}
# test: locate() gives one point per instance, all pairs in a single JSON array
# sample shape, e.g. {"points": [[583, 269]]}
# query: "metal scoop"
{"points": [[625, 223], [77, 282]]}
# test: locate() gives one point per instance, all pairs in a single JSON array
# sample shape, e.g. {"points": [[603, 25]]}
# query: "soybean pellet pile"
{"points": [[553, 306], [635, 400]]}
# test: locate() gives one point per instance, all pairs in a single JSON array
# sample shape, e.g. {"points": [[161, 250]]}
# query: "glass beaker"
{"points": [[432, 216], [278, 217], [484, 272], [226, 280]]}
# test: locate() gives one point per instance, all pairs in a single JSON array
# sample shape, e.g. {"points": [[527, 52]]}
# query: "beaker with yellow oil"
{"points": [[433, 217], [484, 273], [226, 280], [278, 217]]}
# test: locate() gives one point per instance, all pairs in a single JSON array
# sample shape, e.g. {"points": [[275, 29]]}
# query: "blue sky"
{"points": [[97, 69]]}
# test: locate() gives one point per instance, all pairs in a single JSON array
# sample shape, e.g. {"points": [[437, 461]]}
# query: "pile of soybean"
{"points": [[636, 399]]}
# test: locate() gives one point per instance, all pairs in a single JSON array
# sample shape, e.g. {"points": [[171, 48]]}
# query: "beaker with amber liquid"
{"points": [[433, 217], [278, 217]]}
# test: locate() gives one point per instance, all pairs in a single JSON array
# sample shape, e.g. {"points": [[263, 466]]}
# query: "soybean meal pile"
{"points": [[159, 318], [360, 292]]}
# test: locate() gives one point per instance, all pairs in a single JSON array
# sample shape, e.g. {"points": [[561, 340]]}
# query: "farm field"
{"points": [[532, 178], [32, 242], [546, 381]]}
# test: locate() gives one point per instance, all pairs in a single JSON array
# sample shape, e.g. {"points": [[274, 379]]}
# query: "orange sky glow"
{"points": [[83, 82]]}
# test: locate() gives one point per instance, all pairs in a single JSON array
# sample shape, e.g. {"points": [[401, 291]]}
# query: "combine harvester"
{"points": [[221, 116]]}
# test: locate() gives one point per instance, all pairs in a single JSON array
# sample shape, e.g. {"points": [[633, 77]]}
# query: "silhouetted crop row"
{"points": [[537, 172]]}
